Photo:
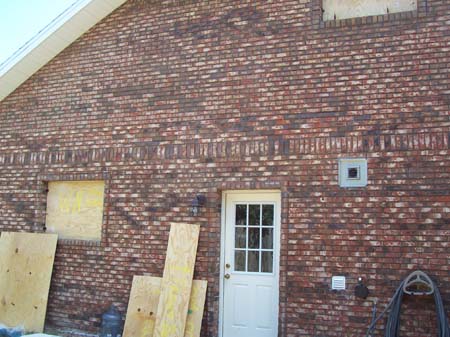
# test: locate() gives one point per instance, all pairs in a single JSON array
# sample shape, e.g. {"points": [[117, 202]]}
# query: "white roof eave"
{"points": [[50, 41]]}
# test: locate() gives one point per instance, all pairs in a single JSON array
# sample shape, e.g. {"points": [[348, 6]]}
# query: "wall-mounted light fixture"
{"points": [[198, 202], [361, 290]]}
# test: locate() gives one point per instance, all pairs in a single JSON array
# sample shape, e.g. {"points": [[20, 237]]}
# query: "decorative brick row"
{"points": [[276, 146]]}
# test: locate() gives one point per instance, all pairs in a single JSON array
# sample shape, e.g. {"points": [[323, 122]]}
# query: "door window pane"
{"points": [[267, 215], [240, 237], [241, 215], [239, 260], [267, 262], [253, 261], [253, 238], [267, 238], [254, 215]]}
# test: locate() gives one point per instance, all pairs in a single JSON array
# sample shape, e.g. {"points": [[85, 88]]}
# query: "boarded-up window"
{"points": [[344, 9], [75, 209]]}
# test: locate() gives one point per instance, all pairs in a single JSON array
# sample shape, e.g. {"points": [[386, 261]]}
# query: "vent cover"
{"points": [[338, 283], [353, 172]]}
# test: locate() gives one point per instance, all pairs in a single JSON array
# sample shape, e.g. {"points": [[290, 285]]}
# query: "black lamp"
{"points": [[361, 290], [197, 202]]}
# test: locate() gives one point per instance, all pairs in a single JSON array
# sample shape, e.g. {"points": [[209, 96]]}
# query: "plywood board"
{"points": [[75, 209], [177, 281], [26, 264], [143, 304], [344, 9], [196, 307]]}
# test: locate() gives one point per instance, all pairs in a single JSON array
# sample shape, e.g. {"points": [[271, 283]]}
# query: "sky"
{"points": [[20, 20]]}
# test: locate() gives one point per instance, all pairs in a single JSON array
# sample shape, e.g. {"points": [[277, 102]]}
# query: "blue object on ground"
{"points": [[111, 323], [8, 332]]}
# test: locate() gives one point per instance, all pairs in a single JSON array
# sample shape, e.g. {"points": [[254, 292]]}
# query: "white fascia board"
{"points": [[50, 41]]}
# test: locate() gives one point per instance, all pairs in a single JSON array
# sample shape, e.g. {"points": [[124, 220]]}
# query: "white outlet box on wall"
{"points": [[338, 283]]}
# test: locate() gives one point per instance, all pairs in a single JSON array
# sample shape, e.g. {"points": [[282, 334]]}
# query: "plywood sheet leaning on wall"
{"points": [[177, 281], [196, 307], [143, 305], [26, 264]]}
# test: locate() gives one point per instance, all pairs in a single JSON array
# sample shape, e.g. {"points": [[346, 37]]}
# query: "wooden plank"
{"points": [[143, 305], [75, 209], [177, 281], [344, 9], [26, 263], [196, 307]]}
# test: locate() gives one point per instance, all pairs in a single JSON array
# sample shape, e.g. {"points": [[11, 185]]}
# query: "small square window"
{"points": [[352, 172]]}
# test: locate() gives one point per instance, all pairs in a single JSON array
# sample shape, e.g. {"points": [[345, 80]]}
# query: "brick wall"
{"points": [[164, 101]]}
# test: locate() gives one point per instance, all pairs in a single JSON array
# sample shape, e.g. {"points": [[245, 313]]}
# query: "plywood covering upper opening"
{"points": [[75, 209], [345, 9]]}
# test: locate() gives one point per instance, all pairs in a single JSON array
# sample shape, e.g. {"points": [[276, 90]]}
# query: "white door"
{"points": [[251, 264]]}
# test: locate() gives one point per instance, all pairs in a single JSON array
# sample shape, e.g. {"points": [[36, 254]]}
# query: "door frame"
{"points": [[277, 252]]}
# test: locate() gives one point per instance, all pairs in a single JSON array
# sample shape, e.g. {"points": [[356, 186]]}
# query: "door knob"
{"points": [[227, 276]]}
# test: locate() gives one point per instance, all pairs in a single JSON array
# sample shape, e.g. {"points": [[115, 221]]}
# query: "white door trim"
{"points": [[277, 196]]}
